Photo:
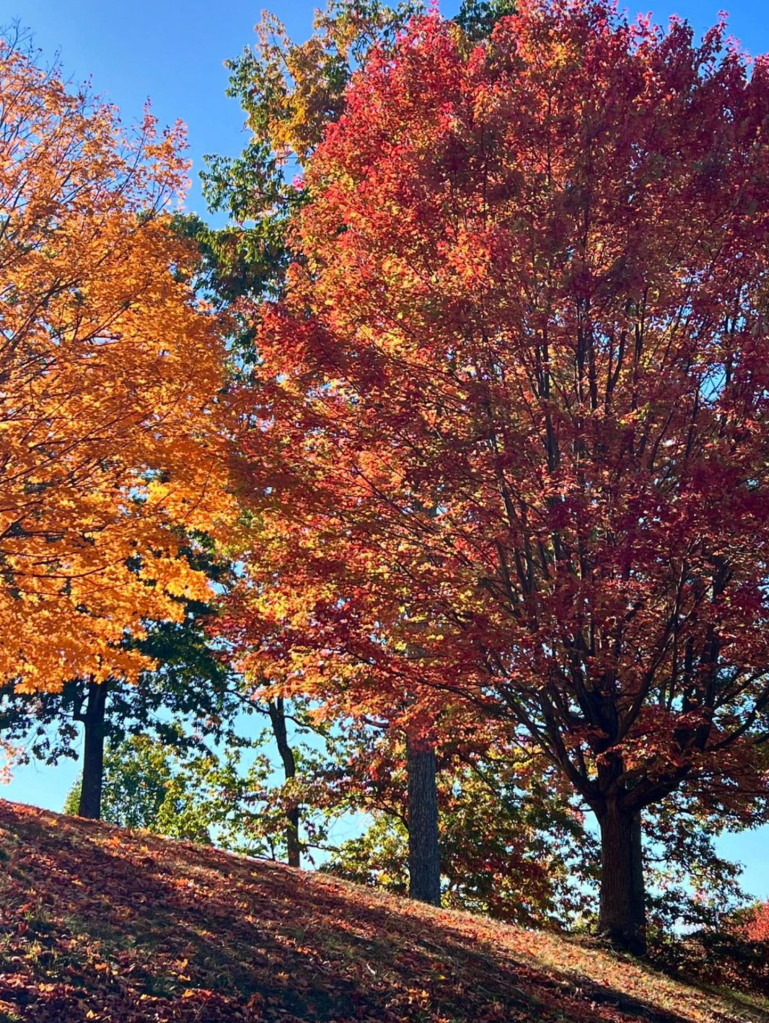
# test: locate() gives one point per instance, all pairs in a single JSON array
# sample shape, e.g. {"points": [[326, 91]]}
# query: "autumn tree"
{"points": [[111, 452], [513, 405], [290, 92]]}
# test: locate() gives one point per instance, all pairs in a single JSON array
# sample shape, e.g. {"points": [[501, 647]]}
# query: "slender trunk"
{"points": [[277, 711], [93, 720], [424, 855], [622, 913]]}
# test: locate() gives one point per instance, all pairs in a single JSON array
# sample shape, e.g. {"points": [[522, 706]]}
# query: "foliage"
{"points": [[511, 846], [755, 923], [477, 18], [145, 788], [290, 92], [111, 445], [188, 695], [509, 444], [103, 924]]}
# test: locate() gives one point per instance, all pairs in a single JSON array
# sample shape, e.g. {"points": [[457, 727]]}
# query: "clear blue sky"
{"points": [[172, 51]]}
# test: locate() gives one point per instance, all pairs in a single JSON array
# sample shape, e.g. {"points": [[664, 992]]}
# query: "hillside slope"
{"points": [[102, 924]]}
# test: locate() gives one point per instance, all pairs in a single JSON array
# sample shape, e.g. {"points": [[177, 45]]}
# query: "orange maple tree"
{"points": [[110, 446], [511, 442]]}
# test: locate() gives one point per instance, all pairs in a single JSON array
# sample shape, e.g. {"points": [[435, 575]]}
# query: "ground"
{"points": [[102, 924]]}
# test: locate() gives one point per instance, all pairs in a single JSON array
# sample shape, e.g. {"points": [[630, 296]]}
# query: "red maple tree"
{"points": [[515, 407]]}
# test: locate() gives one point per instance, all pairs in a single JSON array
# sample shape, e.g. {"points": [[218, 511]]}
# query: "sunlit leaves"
{"points": [[109, 443]]}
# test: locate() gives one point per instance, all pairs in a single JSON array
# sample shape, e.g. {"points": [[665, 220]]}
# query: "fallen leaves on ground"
{"points": [[100, 924]]}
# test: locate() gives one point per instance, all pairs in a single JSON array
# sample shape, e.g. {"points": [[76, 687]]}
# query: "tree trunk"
{"points": [[93, 720], [639, 886], [622, 913], [277, 712], [424, 856]]}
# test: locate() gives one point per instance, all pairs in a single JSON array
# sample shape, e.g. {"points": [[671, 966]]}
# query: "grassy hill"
{"points": [[102, 924]]}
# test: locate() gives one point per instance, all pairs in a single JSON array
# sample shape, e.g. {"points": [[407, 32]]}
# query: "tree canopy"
{"points": [[510, 440]]}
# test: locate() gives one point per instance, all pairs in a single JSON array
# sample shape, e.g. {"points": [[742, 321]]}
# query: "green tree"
{"points": [[145, 786], [230, 793]]}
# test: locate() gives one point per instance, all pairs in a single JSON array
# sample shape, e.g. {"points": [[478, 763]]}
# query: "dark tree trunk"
{"points": [[277, 711], [93, 719], [622, 913], [639, 886], [424, 855]]}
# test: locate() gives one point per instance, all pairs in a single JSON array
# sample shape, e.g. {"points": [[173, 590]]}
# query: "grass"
{"points": [[99, 924]]}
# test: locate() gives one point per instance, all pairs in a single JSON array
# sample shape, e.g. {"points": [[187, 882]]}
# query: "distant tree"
{"points": [[144, 788], [227, 792], [477, 18]]}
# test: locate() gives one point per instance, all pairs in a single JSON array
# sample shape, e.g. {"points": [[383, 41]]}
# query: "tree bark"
{"points": [[93, 719], [424, 853], [622, 913], [277, 712], [639, 886]]}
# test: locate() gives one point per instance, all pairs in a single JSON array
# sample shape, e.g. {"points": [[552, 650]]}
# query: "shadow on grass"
{"points": [[128, 928]]}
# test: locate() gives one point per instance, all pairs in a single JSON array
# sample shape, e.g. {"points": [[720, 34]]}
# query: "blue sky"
{"points": [[172, 52]]}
